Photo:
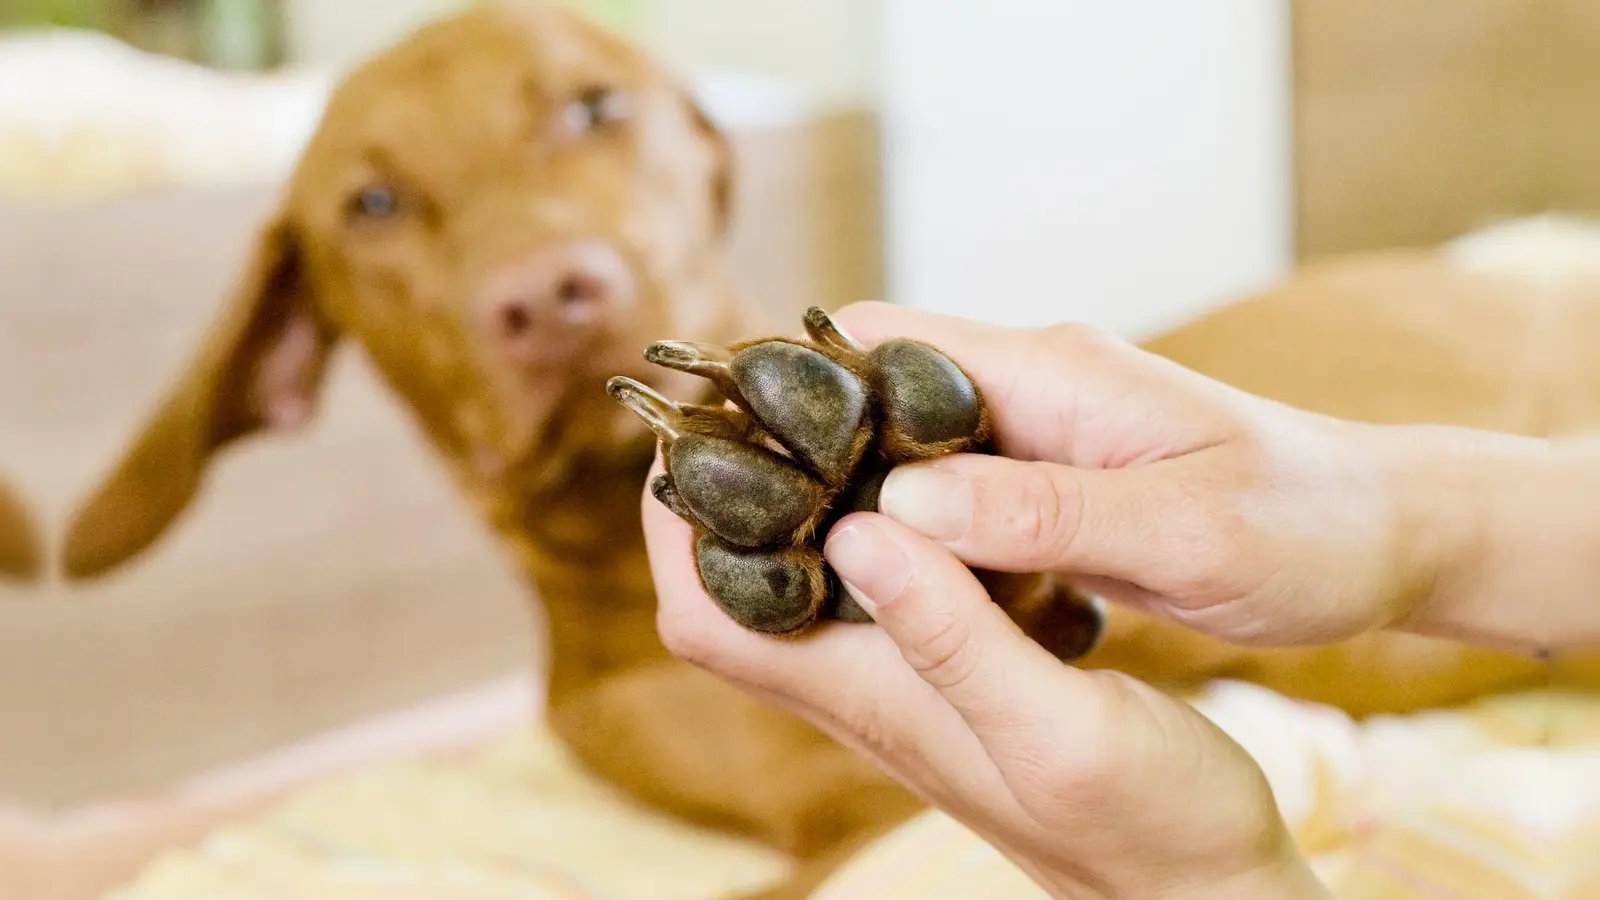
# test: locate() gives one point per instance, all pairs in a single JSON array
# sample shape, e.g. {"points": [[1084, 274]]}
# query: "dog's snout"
{"points": [[540, 307]]}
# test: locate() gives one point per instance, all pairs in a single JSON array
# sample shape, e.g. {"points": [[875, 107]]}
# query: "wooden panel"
{"points": [[1417, 120], [1571, 86]]}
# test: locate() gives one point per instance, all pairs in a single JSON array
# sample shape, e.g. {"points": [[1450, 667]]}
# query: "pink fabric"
{"points": [[78, 854]]}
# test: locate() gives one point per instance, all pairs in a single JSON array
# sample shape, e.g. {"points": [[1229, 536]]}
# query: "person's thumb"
{"points": [[947, 628], [1012, 516]]}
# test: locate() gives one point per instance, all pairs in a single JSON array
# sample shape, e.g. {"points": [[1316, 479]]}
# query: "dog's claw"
{"points": [[660, 414], [708, 361], [662, 489], [822, 329], [812, 431], [688, 356]]}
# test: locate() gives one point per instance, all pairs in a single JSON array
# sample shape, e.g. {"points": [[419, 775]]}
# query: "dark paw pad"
{"points": [[816, 426]]}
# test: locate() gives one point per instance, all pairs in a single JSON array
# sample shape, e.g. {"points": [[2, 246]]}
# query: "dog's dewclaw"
{"points": [[705, 360], [660, 414], [814, 428], [825, 332]]}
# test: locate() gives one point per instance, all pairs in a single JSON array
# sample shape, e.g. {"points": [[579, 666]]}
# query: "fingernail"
{"points": [[870, 565], [929, 499]]}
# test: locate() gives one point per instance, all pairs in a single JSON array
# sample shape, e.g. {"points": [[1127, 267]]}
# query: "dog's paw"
{"points": [[816, 426]]}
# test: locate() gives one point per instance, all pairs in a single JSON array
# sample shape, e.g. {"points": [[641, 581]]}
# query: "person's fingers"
{"points": [[1067, 392], [947, 628], [875, 322], [798, 672], [901, 724], [1007, 365], [1151, 525]]}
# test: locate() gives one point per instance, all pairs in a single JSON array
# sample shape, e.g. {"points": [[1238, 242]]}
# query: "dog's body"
{"points": [[502, 212]]}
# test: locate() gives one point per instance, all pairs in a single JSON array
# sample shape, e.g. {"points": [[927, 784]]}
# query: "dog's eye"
{"points": [[594, 109], [374, 202]]}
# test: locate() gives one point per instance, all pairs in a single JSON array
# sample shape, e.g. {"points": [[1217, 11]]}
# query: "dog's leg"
{"points": [[812, 874], [688, 744]]}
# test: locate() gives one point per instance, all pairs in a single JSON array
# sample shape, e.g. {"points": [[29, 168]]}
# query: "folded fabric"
{"points": [[518, 819], [1494, 800], [1466, 803]]}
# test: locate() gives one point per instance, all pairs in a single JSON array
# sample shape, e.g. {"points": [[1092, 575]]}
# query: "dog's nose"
{"points": [[537, 308]]}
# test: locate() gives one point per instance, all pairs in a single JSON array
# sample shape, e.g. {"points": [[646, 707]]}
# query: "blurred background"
{"points": [[1044, 118], [1027, 161]]}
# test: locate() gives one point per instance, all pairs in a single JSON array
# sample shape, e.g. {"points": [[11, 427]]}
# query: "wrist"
{"points": [[1496, 532], [1441, 521]]}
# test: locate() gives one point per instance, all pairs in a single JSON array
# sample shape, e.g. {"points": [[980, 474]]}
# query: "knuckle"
{"points": [[870, 728], [1040, 520], [861, 312], [947, 656], [860, 307], [1073, 333], [1074, 337]]}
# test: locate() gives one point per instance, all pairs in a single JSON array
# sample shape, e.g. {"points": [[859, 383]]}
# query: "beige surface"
{"points": [[1417, 120]]}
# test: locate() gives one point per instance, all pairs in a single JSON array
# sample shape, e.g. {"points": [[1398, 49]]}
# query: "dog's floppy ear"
{"points": [[21, 551], [260, 367], [722, 178]]}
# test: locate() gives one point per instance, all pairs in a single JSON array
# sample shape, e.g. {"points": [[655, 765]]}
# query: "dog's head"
{"points": [[501, 211]]}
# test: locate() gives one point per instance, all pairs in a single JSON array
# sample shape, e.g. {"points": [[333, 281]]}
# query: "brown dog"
{"points": [[21, 551], [502, 212]]}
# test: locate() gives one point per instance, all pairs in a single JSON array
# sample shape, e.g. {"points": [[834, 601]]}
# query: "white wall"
{"points": [[825, 47], [1124, 164], [828, 48], [341, 32]]}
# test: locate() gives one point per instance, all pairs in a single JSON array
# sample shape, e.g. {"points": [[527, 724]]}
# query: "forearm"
{"points": [[1512, 526]]}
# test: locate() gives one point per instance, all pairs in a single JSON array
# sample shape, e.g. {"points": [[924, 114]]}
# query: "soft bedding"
{"points": [[1494, 800]]}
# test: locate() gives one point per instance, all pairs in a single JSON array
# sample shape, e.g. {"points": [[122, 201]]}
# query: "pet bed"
{"points": [[1492, 800]]}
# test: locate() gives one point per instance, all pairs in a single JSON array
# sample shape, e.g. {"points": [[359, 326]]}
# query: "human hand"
{"points": [[1160, 489], [1094, 784]]}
